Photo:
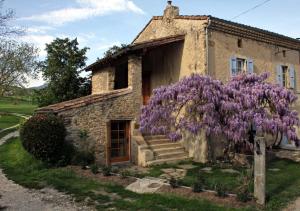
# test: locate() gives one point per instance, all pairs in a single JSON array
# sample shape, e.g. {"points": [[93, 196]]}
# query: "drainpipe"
{"points": [[206, 40]]}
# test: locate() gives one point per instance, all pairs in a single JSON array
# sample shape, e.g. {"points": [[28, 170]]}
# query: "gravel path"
{"points": [[16, 197]]}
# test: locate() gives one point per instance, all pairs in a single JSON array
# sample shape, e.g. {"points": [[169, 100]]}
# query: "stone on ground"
{"points": [[146, 185], [231, 171], [173, 173]]}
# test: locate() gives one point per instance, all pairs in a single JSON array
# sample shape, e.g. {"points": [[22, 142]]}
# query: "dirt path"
{"points": [[16, 197]]}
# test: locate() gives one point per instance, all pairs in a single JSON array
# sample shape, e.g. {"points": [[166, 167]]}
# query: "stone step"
{"points": [[159, 141], [170, 155], [169, 149], [169, 160], [164, 145], [151, 137]]}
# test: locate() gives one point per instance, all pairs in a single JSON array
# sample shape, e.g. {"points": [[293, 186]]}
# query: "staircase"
{"points": [[165, 150]]}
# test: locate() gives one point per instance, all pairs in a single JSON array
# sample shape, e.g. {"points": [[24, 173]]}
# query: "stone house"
{"points": [[168, 48]]}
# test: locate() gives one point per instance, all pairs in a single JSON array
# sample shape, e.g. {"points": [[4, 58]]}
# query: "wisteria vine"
{"points": [[199, 103]]}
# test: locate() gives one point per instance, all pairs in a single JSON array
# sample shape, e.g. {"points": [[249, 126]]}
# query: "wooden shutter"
{"points": [[292, 77], [250, 66], [233, 66], [279, 75]]}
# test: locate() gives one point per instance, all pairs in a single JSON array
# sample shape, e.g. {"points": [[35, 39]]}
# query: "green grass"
{"points": [[19, 166], [8, 121], [283, 185], [16, 105]]}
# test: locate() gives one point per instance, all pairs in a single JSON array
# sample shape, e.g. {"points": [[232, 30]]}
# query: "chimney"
{"points": [[171, 11]]}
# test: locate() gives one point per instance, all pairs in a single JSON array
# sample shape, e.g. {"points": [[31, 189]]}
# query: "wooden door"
{"points": [[146, 87], [119, 141]]}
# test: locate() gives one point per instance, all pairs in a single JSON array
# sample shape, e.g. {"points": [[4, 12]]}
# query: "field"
{"points": [[16, 105]]}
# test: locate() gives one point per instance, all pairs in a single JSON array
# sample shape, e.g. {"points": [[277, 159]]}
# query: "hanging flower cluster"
{"points": [[199, 103]]}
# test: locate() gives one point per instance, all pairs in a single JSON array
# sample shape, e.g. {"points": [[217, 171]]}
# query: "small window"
{"points": [[284, 53], [284, 76], [240, 65], [240, 43], [121, 76]]}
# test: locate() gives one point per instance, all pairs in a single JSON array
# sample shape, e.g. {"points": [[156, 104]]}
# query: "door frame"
{"points": [[126, 158]]}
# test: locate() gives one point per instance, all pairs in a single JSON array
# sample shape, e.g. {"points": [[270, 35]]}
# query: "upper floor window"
{"points": [[286, 76], [121, 76], [241, 65]]}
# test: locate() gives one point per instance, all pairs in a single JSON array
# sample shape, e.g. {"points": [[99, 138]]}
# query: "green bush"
{"points": [[94, 168], [174, 183], [106, 170], [125, 174], [83, 158], [43, 136], [221, 190], [243, 196], [199, 184]]}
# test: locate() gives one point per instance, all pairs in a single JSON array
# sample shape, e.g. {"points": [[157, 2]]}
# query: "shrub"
{"points": [[106, 170], [83, 158], [221, 190], [125, 174], [243, 196], [94, 169], [43, 136], [174, 183], [199, 184]]}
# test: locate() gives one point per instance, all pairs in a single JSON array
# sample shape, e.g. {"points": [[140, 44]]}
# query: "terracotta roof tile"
{"points": [[83, 101]]}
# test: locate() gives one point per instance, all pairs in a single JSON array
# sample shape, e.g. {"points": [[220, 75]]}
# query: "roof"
{"points": [[134, 48], [235, 29], [83, 101]]}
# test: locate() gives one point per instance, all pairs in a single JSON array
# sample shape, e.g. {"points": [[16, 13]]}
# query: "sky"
{"points": [[99, 24]]}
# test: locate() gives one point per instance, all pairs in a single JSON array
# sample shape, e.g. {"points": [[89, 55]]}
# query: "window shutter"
{"points": [[279, 75], [233, 66], [250, 66], [292, 77]]}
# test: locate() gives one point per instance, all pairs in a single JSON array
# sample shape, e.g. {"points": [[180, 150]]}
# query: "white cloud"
{"points": [[39, 29], [86, 9], [39, 41]]}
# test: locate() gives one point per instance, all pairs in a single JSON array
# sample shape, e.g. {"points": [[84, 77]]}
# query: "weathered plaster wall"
{"points": [[193, 54], [163, 63], [223, 46]]}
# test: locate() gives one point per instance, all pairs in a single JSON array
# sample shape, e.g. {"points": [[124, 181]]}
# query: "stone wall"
{"points": [[103, 80], [94, 118]]}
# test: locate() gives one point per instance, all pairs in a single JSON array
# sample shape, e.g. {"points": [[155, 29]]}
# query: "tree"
{"points": [[199, 103], [115, 49], [61, 70], [5, 29], [17, 62]]}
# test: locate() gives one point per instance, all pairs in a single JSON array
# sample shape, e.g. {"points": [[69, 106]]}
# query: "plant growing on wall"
{"points": [[200, 103]]}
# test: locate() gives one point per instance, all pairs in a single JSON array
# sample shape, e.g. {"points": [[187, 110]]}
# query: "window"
{"points": [[240, 43], [284, 53], [284, 76], [240, 65], [121, 76]]}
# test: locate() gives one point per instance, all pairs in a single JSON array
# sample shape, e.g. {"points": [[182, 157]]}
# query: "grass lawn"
{"points": [[16, 105], [19, 166], [283, 186], [8, 121]]}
